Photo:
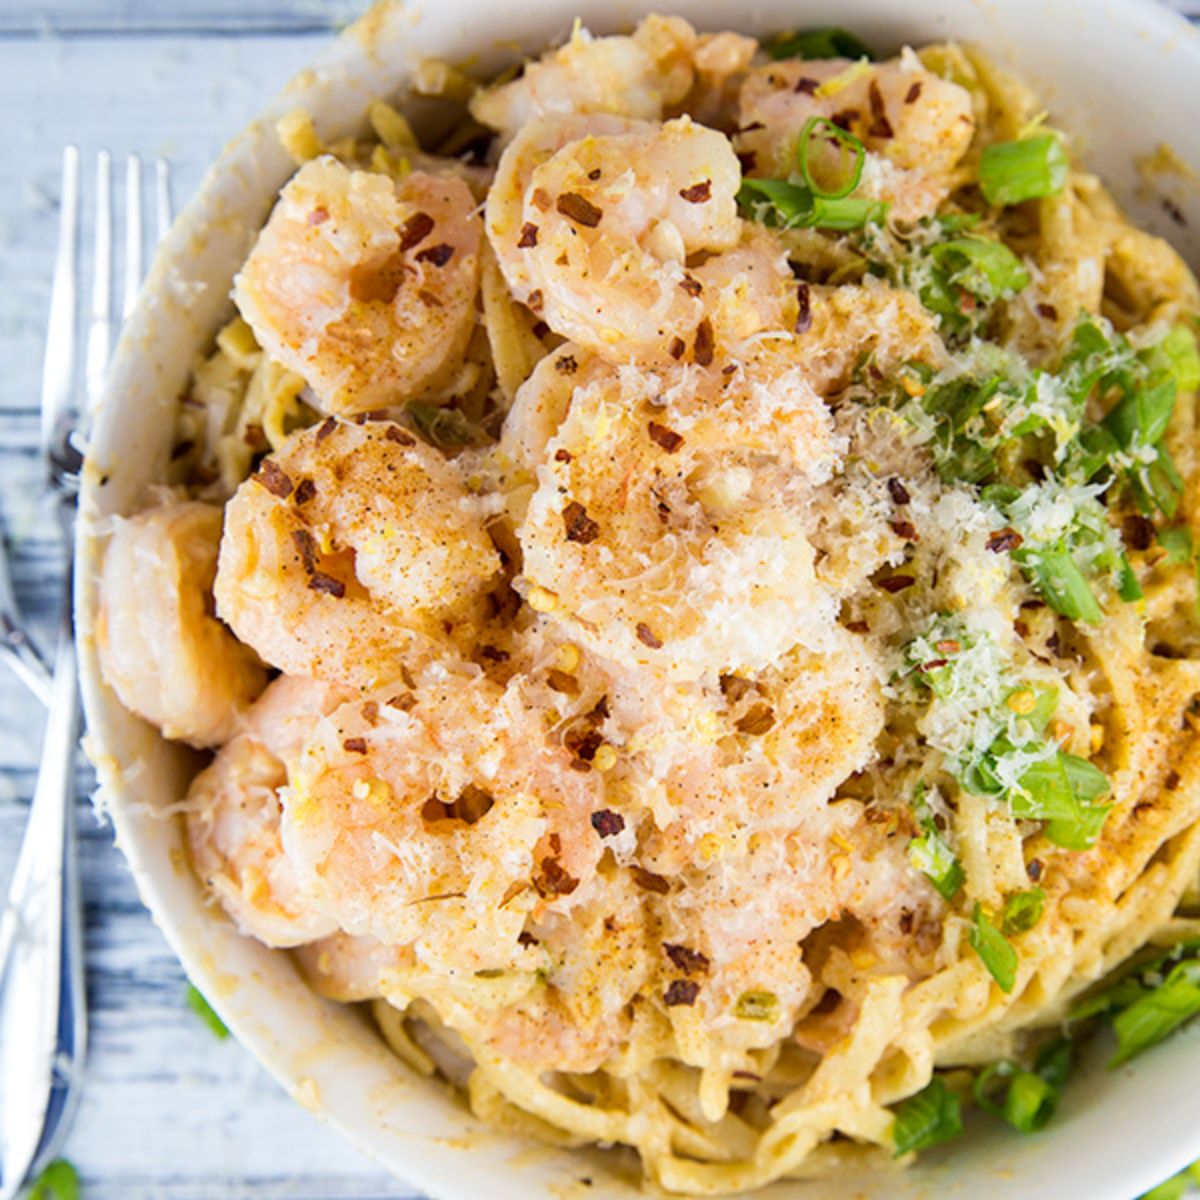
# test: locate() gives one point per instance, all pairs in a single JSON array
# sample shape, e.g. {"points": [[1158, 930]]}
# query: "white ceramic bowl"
{"points": [[1120, 74]]}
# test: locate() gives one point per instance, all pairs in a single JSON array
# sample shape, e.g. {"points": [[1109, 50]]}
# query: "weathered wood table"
{"points": [[168, 1111]]}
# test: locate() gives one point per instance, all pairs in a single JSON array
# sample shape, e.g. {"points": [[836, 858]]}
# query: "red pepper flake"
{"points": [[355, 745], [1139, 532], [1048, 311], [415, 230], [566, 364], [690, 962], [668, 439], [913, 94], [273, 477], [906, 530], [698, 193], [676, 348], [320, 582], [858, 627], [895, 583], [534, 303], [1004, 539], [845, 119], [438, 255], [804, 311], [579, 209], [529, 232], [607, 823], [881, 127], [578, 525], [370, 712], [563, 456], [1034, 869], [934, 664], [681, 991], [806, 86], [402, 702], [691, 285], [327, 427], [897, 491], [1172, 781], [702, 349], [650, 881], [318, 216], [306, 489], [645, 635], [401, 437], [583, 744], [554, 880], [306, 547], [594, 174], [541, 199]]}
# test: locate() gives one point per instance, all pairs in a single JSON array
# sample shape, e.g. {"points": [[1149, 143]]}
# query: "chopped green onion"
{"points": [[1177, 354], [928, 1118], [1062, 792], [59, 1181], [830, 42], [985, 267], [794, 206], [1054, 1062], [1154, 1015], [993, 949], [1061, 583], [1142, 417], [1176, 540], [1029, 1099], [1022, 911], [1028, 169], [757, 1006], [836, 136], [201, 1007], [1174, 1188], [930, 854]]}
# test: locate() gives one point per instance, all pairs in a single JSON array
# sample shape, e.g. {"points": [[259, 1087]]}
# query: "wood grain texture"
{"points": [[168, 1112]]}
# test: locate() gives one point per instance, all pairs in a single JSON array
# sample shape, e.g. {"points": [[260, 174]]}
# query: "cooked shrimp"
{"points": [[161, 650], [915, 124], [634, 76], [233, 809], [351, 542], [365, 286], [351, 969], [593, 219], [441, 818], [668, 523]]}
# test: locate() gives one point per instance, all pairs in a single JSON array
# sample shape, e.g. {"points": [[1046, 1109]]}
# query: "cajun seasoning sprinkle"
{"points": [[273, 477], [566, 364], [306, 547], [327, 427], [554, 880], [355, 745], [1004, 539], [905, 529], [415, 230], [306, 489], [578, 525], [579, 209], [438, 255], [607, 823], [650, 881], [690, 962], [563, 456], [529, 232], [880, 127], [804, 311], [646, 636], [320, 582], [702, 349], [676, 348], [698, 193], [668, 439], [913, 94], [681, 991]]}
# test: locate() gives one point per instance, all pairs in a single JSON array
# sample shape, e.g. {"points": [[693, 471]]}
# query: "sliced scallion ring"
{"points": [[840, 137]]}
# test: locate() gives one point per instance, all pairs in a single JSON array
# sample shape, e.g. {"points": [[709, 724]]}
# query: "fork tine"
{"points": [[59, 366], [100, 326], [162, 198], [133, 233]]}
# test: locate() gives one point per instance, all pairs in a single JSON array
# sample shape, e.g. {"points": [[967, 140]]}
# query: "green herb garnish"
{"points": [[930, 853], [993, 949], [828, 42], [201, 1007], [757, 1006], [59, 1181], [1028, 169], [788, 205], [1022, 911], [842, 142], [928, 1118]]}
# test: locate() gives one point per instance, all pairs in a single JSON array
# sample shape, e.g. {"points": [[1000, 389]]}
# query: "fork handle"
{"points": [[42, 1000]]}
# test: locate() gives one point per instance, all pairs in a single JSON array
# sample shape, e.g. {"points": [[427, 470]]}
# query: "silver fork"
{"points": [[43, 1010]]}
